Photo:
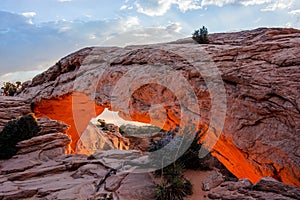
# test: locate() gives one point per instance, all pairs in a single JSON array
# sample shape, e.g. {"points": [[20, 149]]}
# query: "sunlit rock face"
{"points": [[156, 105], [260, 74], [77, 110], [64, 108], [94, 139]]}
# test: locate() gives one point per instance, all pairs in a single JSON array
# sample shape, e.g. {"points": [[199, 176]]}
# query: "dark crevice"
{"points": [[230, 82], [252, 123], [276, 174], [270, 95]]}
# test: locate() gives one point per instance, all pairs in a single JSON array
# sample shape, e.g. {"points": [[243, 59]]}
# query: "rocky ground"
{"points": [[42, 170], [212, 185]]}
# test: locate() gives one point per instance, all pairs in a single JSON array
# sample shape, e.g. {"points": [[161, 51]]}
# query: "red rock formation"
{"points": [[64, 108], [163, 115], [260, 72]]}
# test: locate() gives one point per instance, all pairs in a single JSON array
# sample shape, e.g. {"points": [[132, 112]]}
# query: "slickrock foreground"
{"points": [[266, 188], [212, 185], [42, 170], [260, 70]]}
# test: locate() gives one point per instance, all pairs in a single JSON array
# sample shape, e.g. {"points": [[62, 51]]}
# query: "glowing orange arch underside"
{"points": [[62, 109]]}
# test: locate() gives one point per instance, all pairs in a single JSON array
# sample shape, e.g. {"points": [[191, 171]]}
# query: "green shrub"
{"points": [[15, 131], [189, 145], [172, 171], [174, 186], [201, 35], [10, 89]]}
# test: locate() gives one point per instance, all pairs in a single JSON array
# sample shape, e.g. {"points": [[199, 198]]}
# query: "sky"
{"points": [[114, 118], [35, 34]]}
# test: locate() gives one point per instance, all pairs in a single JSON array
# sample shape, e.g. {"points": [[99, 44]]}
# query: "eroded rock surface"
{"points": [[266, 188], [42, 170], [12, 108], [260, 72]]}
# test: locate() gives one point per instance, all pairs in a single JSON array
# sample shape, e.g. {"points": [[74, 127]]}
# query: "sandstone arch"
{"points": [[260, 69]]}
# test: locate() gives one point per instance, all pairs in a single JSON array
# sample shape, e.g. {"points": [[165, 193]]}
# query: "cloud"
{"points": [[295, 12], [126, 7], [289, 25], [254, 2], [146, 35], [174, 27], [160, 7], [28, 14], [18, 39], [219, 3], [53, 40], [153, 7], [270, 5], [64, 29], [278, 5], [185, 5], [130, 22], [19, 76]]}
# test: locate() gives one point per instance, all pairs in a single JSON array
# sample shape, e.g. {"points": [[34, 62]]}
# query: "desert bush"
{"points": [[174, 186], [10, 89], [201, 35], [189, 145], [15, 131]]}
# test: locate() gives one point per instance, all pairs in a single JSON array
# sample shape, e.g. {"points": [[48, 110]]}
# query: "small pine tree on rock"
{"points": [[201, 35]]}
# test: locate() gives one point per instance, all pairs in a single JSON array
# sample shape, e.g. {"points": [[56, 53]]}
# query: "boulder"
{"points": [[214, 179]]}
